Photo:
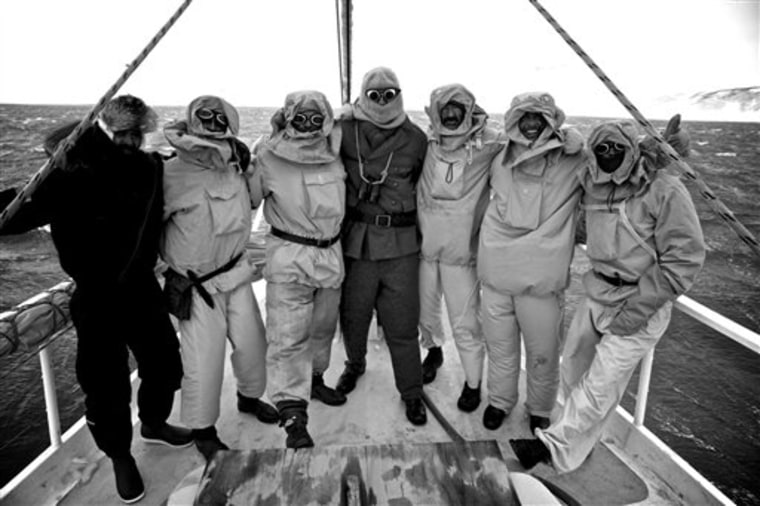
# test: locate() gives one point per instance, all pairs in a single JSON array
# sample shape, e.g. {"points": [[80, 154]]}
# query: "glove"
{"points": [[573, 141], [653, 292], [673, 134]]}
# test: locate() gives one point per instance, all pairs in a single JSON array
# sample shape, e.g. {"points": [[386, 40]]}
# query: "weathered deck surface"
{"points": [[370, 423]]}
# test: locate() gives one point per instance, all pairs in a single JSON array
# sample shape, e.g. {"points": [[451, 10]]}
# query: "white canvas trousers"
{"points": [[203, 339], [460, 288], [596, 368], [301, 324], [539, 320]]}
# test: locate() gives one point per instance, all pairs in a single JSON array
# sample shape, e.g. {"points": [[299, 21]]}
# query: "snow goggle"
{"points": [[316, 119], [609, 148], [387, 94], [206, 114]]}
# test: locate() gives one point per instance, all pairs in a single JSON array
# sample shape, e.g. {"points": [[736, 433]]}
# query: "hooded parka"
{"points": [[452, 196], [526, 245], [208, 222], [646, 248], [300, 178]]}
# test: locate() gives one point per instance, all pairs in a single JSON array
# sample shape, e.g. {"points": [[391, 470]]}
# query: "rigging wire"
{"points": [[343, 25], [712, 199], [67, 143]]}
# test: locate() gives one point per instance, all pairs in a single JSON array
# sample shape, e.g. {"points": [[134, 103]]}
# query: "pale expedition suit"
{"points": [[301, 179], [643, 230], [526, 245], [452, 196], [207, 217]]}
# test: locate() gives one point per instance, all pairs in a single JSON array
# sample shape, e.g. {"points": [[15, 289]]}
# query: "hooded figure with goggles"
{"points": [[383, 153], [104, 202], [452, 196], [298, 173], [207, 224], [526, 246], [646, 248]]}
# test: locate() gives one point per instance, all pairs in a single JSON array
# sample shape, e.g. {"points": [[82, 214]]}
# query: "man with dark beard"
{"points": [[451, 199], [383, 153]]}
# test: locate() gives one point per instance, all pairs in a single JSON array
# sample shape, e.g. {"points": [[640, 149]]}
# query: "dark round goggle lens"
{"points": [[208, 115], [387, 94], [609, 147], [315, 119]]}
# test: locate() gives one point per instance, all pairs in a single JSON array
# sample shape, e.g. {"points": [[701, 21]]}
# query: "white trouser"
{"points": [[235, 317], [460, 288], [301, 324], [539, 319], [596, 368]]}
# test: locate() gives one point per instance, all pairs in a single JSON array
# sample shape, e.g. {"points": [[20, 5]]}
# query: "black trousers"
{"points": [[109, 322], [391, 288]]}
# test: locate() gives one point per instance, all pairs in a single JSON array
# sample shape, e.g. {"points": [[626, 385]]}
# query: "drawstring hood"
{"points": [[386, 116], [320, 146], [199, 146], [467, 133], [538, 102]]}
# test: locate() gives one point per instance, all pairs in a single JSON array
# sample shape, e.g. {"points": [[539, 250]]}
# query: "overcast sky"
{"points": [[253, 52]]}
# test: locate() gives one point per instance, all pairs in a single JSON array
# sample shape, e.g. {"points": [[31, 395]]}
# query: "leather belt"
{"points": [[308, 241], [406, 219]]}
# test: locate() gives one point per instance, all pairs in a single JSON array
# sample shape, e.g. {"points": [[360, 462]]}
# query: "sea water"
{"points": [[704, 400]]}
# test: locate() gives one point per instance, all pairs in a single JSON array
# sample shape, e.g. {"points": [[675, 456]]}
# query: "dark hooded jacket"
{"points": [[104, 207]]}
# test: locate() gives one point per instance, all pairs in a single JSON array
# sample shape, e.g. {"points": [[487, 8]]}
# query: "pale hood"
{"points": [[632, 169], [286, 142], [534, 101], [386, 116], [475, 117], [198, 146]]}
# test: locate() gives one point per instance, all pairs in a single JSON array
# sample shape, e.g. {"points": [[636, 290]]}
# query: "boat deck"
{"points": [[374, 416]]}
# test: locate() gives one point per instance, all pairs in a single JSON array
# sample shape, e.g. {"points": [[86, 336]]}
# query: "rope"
{"points": [[712, 199], [343, 24], [64, 146]]}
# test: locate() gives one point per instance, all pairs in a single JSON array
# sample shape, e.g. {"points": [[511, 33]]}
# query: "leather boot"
{"points": [[347, 380], [129, 483], [470, 398], [530, 452], [493, 417], [415, 411], [325, 394], [433, 360], [540, 422], [294, 418]]}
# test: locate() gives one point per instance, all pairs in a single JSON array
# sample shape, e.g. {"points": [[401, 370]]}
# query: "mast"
{"points": [[343, 13]]}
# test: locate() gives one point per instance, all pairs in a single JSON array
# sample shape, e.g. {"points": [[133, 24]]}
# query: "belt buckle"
{"points": [[383, 220]]}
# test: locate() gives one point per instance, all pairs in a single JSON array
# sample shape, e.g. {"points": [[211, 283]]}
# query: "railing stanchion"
{"points": [[645, 375], [51, 399]]}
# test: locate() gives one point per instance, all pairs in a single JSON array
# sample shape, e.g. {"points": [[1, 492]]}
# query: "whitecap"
{"points": [[727, 154]]}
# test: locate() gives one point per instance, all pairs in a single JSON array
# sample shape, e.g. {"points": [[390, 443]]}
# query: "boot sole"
{"points": [[133, 500], [157, 441]]}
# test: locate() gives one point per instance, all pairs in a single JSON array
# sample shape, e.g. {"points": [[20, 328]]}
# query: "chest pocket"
{"points": [[324, 194], [603, 232], [523, 206], [448, 180], [227, 211]]}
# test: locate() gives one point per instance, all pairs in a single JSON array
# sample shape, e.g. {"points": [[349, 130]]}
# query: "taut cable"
{"points": [[712, 199], [64, 146]]}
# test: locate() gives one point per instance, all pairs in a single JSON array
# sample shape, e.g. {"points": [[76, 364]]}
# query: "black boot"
{"points": [[540, 422], [493, 417], [415, 411], [208, 443], [347, 380], [129, 483], [258, 408], [530, 452], [293, 418], [322, 392], [470, 398], [432, 362]]}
